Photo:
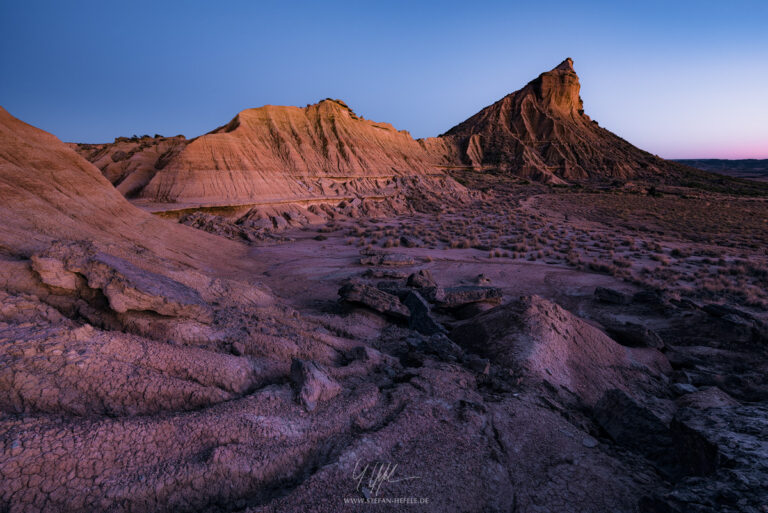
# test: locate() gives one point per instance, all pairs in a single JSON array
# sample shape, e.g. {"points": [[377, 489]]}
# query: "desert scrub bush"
{"points": [[573, 258], [737, 270], [622, 262], [391, 242], [602, 268], [460, 244]]}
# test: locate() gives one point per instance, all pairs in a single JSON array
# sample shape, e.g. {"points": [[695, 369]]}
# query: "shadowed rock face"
{"points": [[541, 132], [131, 163]]}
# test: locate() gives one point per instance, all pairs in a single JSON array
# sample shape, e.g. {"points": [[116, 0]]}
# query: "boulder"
{"points": [[421, 319], [538, 340], [395, 288], [437, 345], [470, 310], [388, 259], [53, 273], [635, 335], [375, 299], [311, 384], [421, 279], [369, 355], [633, 425], [126, 286], [390, 274], [432, 294], [454, 297]]}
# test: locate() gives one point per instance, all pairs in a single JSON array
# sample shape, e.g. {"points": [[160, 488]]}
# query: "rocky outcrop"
{"points": [[51, 193], [387, 259], [144, 367], [421, 319], [325, 156], [421, 279], [375, 299], [126, 287], [312, 384], [320, 152], [635, 335], [324, 161], [455, 297], [130, 163], [60, 368], [541, 132], [538, 340]]}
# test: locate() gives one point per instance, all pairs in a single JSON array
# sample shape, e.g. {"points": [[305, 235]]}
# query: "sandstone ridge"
{"points": [[541, 132]]}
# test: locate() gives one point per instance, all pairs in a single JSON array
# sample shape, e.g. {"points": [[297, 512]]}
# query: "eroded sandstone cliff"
{"points": [[541, 132]]}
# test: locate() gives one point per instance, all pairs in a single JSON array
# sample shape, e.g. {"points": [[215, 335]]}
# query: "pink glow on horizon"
{"points": [[760, 153]]}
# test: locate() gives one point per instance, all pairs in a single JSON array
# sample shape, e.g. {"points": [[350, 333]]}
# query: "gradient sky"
{"points": [[678, 78]]}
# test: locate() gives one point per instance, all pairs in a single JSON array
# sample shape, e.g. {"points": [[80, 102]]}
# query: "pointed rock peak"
{"points": [[566, 65], [333, 103], [335, 106], [559, 89]]}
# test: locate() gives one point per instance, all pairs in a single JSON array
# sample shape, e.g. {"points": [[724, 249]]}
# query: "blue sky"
{"points": [[677, 78]]}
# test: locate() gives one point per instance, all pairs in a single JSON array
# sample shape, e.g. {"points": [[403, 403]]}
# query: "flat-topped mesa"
{"points": [[276, 153], [541, 132]]}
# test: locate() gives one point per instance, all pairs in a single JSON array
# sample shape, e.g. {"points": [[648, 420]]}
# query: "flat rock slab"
{"points": [[375, 299], [130, 288], [392, 259], [126, 286], [390, 274], [453, 297]]}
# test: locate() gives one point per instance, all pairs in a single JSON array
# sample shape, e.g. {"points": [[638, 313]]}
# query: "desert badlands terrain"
{"points": [[305, 310]]}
